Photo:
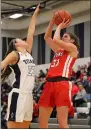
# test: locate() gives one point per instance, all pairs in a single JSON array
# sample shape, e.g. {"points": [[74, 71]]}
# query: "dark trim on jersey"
{"points": [[28, 52], [17, 75], [57, 79], [13, 106]]}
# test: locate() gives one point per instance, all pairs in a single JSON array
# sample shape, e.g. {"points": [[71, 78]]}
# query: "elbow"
{"points": [[54, 40], [45, 37]]}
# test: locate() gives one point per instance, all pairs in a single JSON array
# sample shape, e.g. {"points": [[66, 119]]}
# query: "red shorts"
{"points": [[56, 94]]}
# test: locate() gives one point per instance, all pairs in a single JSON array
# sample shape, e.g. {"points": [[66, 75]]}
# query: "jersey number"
{"points": [[31, 71], [55, 63]]}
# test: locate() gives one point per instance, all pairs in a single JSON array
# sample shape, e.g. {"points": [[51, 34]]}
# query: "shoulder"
{"points": [[28, 52], [15, 55], [73, 54]]}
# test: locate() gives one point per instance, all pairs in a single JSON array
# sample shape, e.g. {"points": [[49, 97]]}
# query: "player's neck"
{"points": [[22, 50]]}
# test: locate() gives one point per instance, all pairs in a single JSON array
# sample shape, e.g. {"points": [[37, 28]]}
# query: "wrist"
{"points": [[52, 21], [60, 26]]}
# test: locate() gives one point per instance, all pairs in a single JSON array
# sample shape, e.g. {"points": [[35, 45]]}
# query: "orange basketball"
{"points": [[60, 15]]}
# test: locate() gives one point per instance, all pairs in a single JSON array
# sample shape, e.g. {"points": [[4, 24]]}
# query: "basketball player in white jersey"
{"points": [[20, 61]]}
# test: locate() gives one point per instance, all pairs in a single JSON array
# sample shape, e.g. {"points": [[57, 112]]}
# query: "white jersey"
{"points": [[24, 72]]}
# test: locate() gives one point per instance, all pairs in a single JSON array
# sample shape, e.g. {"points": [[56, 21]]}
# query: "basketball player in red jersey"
{"points": [[57, 89]]}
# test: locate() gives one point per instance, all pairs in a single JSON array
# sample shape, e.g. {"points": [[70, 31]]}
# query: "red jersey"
{"points": [[61, 64]]}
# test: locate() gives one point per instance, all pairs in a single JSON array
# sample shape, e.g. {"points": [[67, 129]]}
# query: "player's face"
{"points": [[21, 44], [66, 37]]}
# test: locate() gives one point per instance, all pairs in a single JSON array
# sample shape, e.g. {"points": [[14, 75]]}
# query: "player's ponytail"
{"points": [[7, 71]]}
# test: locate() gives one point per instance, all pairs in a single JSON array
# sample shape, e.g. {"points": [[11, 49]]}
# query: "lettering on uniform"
{"points": [[27, 61], [58, 54]]}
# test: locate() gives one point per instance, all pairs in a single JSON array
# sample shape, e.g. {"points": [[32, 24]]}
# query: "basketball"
{"points": [[60, 15]]}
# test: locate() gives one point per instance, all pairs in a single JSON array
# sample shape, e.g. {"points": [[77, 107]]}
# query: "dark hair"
{"points": [[7, 71], [75, 38], [11, 47]]}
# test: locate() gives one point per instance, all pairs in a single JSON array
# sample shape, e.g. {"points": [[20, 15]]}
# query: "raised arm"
{"points": [[57, 34], [66, 46], [31, 29], [48, 36], [57, 40], [59, 28]]}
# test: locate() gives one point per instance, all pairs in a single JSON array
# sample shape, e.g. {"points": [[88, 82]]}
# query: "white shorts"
{"points": [[20, 106]]}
